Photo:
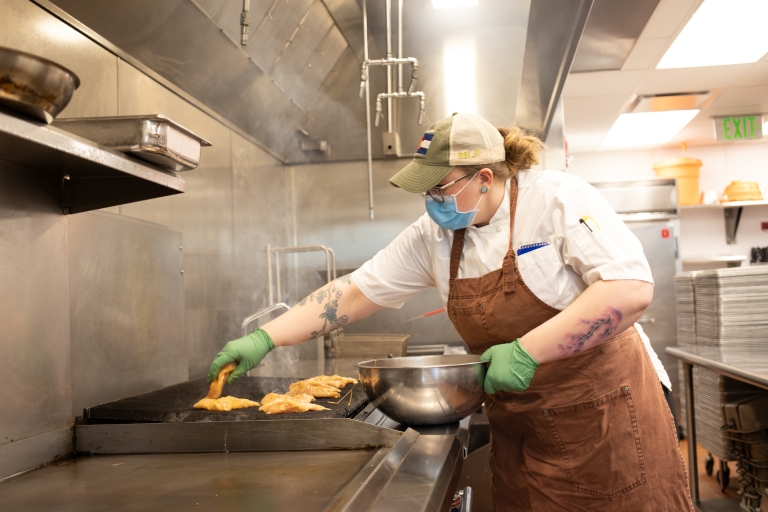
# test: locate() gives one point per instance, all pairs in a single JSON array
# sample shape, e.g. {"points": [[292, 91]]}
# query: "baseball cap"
{"points": [[460, 139]]}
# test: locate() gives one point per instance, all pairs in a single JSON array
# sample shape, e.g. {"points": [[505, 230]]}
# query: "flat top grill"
{"points": [[174, 403]]}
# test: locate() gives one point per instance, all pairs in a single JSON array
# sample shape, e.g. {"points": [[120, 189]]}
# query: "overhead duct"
{"points": [[301, 65]]}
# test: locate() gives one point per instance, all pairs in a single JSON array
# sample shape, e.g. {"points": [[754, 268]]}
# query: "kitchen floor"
{"points": [[709, 488]]}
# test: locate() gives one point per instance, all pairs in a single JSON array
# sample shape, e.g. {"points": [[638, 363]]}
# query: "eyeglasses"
{"points": [[436, 193]]}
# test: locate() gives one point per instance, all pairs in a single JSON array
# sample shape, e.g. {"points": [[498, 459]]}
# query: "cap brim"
{"points": [[417, 177]]}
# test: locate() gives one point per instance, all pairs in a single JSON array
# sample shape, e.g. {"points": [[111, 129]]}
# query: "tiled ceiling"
{"points": [[594, 100]]}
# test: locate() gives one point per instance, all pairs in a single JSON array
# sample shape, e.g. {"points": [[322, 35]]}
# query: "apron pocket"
{"points": [[600, 444], [473, 319]]}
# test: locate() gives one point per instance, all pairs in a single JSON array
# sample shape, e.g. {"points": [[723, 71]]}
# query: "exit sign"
{"points": [[735, 128]]}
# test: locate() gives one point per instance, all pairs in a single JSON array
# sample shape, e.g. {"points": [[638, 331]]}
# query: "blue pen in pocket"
{"points": [[530, 247]]}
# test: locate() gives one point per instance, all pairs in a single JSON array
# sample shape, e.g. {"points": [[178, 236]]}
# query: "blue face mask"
{"points": [[446, 214]]}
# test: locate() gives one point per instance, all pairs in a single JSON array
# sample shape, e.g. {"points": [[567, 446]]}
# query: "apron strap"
{"points": [[509, 265], [456, 248]]}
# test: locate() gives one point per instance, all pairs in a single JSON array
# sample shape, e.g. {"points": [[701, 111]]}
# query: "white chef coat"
{"points": [[579, 240]]}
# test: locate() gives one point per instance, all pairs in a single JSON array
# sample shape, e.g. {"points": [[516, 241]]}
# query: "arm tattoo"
{"points": [[594, 332], [328, 298]]}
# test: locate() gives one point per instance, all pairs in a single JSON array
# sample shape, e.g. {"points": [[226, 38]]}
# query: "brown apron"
{"points": [[593, 432]]}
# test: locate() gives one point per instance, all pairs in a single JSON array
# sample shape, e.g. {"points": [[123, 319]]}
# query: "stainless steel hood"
{"points": [[297, 79]]}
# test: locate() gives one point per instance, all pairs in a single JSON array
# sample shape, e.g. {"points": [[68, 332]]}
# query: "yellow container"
{"points": [[686, 170]]}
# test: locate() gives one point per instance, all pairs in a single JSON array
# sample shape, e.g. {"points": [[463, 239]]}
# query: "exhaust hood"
{"points": [[297, 80]]}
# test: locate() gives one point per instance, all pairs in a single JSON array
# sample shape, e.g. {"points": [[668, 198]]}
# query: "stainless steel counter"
{"points": [[254, 481], [749, 367]]}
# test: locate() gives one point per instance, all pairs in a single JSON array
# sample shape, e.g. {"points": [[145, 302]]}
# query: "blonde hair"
{"points": [[521, 152]]}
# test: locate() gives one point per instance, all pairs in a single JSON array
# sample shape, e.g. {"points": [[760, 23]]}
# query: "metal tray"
{"points": [[34, 86], [153, 138]]}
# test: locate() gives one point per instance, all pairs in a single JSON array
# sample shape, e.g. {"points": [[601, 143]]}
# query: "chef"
{"points": [[543, 279]]}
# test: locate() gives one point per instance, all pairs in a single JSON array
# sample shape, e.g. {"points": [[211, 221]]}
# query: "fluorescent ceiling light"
{"points": [[450, 4], [647, 128], [459, 57], [707, 40]]}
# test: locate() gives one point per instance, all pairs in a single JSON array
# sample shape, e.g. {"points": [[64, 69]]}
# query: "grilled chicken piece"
{"points": [[217, 387], [226, 403], [336, 381], [315, 389], [283, 404], [301, 397]]}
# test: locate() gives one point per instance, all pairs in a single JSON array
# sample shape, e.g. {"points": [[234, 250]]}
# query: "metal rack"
{"points": [[92, 176]]}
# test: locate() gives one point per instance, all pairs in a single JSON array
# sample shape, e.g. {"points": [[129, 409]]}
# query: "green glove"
{"points": [[248, 351], [511, 368]]}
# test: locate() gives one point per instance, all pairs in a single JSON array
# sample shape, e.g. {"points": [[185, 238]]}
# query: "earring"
{"points": [[484, 189]]}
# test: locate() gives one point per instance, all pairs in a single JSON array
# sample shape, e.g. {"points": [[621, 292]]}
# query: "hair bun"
{"points": [[521, 149]]}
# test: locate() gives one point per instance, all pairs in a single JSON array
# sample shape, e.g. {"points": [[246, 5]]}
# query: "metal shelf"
{"points": [[729, 204], [92, 176], [731, 261], [731, 213]]}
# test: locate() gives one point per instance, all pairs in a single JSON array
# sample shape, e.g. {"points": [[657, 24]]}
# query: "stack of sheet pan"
{"points": [[685, 299], [731, 308]]}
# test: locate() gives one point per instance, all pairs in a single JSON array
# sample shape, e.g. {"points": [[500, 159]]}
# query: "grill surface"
{"points": [[174, 403]]}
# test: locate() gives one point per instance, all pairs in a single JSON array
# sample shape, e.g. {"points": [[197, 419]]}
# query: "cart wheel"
{"points": [[709, 464], [723, 475]]}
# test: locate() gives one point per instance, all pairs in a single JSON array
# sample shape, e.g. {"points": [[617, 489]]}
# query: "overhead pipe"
{"points": [[401, 94], [389, 68], [400, 47], [245, 21], [412, 61], [389, 61], [367, 108]]}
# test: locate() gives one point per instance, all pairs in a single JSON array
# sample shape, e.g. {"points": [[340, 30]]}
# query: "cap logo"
{"points": [[469, 154], [426, 140]]}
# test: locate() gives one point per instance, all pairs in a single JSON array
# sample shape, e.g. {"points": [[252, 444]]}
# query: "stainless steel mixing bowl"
{"points": [[428, 390], [35, 86]]}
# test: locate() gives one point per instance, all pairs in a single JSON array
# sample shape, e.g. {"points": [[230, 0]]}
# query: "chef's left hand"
{"points": [[511, 368]]}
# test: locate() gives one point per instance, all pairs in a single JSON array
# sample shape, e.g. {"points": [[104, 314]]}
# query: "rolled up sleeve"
{"points": [[593, 239], [399, 271]]}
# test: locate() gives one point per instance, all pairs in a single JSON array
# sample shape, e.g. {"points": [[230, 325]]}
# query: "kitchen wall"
{"points": [[331, 208], [702, 231], [94, 306]]}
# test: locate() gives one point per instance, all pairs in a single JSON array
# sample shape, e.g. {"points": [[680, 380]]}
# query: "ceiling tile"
{"points": [[757, 75], [589, 123], [663, 81], [755, 96], [669, 16], [594, 105], [602, 83], [645, 53], [584, 142]]}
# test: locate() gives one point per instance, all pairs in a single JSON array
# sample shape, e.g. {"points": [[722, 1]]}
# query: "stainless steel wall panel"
{"points": [[295, 56], [24, 26], [34, 305], [320, 64], [182, 44], [228, 17], [31, 452], [211, 7], [332, 209], [203, 215], [276, 30], [349, 19], [610, 34], [126, 308]]}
